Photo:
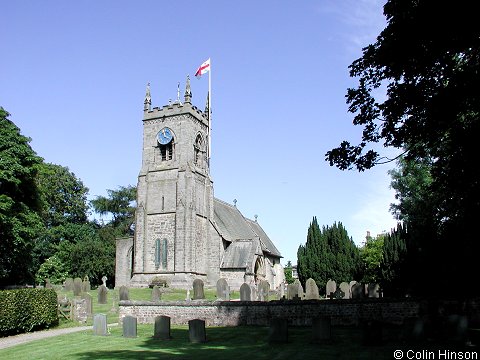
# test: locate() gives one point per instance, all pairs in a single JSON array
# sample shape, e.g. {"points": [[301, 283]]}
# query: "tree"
{"points": [[19, 203], [120, 204], [371, 255], [395, 278], [288, 272], [328, 254], [426, 60]]}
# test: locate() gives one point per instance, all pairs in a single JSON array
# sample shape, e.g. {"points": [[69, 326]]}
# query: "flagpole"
{"points": [[210, 112]]}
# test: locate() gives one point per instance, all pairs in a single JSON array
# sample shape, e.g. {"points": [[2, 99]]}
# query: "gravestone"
{"points": [[123, 293], [351, 283], [311, 290], [114, 308], [88, 303], [162, 328], [253, 290], [77, 286], [373, 290], [130, 326], [338, 294], [281, 291], [263, 289], [295, 290], [330, 288], [358, 291], [223, 290], [278, 331], [454, 329], [188, 298], [345, 287], [86, 284], [196, 331], [156, 294], [102, 294], [79, 308], [198, 289], [68, 284], [245, 292], [100, 325], [104, 280], [321, 329]]}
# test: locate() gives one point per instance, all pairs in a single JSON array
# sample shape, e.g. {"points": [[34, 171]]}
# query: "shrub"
{"points": [[26, 310]]}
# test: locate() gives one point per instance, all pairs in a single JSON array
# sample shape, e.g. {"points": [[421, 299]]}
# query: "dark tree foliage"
{"points": [[393, 267], [328, 254], [19, 203], [427, 60]]}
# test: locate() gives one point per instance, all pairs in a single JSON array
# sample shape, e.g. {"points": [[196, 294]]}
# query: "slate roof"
{"points": [[246, 236]]}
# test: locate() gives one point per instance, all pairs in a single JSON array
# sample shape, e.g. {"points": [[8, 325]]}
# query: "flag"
{"points": [[203, 69]]}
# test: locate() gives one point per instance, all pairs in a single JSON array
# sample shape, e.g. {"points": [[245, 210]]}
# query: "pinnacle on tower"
{"points": [[147, 104], [207, 106], [188, 92]]}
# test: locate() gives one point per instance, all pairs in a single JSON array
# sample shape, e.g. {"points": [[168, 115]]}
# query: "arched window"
{"points": [[166, 151], [199, 151]]}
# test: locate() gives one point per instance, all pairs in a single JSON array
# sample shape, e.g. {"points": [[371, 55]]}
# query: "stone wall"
{"points": [[298, 313]]}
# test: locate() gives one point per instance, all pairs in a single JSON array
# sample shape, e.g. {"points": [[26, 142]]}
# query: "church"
{"points": [[182, 232]]}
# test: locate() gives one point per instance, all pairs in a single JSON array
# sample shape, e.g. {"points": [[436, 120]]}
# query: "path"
{"points": [[6, 342]]}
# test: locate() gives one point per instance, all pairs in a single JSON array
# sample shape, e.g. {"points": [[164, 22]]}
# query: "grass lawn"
{"points": [[222, 343]]}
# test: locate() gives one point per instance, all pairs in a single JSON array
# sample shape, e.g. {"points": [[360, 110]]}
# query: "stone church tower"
{"points": [[181, 231]]}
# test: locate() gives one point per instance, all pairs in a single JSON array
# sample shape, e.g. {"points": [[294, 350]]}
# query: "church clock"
{"points": [[164, 136]]}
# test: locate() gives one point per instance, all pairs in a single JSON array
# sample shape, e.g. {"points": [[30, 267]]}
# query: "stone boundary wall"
{"points": [[298, 313]]}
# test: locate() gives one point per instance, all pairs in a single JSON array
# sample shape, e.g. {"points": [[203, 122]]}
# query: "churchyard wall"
{"points": [[298, 313]]}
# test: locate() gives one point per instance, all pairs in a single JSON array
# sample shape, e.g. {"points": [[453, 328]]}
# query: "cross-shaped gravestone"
{"points": [[104, 280]]}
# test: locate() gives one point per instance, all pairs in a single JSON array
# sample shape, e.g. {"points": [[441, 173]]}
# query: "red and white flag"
{"points": [[203, 69]]}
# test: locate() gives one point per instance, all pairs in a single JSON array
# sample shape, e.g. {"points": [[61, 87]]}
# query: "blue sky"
{"points": [[73, 77]]}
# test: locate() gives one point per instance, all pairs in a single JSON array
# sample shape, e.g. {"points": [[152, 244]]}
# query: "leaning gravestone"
{"points": [[196, 331], [77, 286], [162, 328], [321, 329], [358, 291], [156, 294], [295, 290], [223, 290], [100, 325], [102, 294], [198, 289], [263, 289], [278, 331], [123, 293], [68, 284], [345, 287], [330, 288], [311, 290], [245, 292], [86, 284], [129, 326], [373, 290], [88, 303]]}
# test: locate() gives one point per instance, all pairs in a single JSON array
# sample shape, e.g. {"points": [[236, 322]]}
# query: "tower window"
{"points": [[199, 151], [161, 253], [166, 151]]}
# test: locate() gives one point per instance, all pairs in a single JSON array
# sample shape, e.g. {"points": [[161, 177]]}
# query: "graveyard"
{"points": [[255, 322]]}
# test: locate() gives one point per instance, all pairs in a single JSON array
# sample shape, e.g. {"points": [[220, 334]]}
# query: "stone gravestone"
{"points": [[162, 328], [86, 284], [373, 290], [295, 290], [88, 303], [321, 329], [123, 293], [77, 286], [358, 291], [345, 287], [198, 289], [311, 290], [245, 292], [263, 289], [253, 289], [130, 326], [278, 331], [156, 294], [196, 331], [104, 280], [68, 284], [330, 288], [102, 294], [223, 290], [100, 325], [79, 308]]}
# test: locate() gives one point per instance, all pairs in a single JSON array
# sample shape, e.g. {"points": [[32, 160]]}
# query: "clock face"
{"points": [[164, 136]]}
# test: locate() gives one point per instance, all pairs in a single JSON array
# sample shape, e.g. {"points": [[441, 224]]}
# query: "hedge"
{"points": [[27, 310]]}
